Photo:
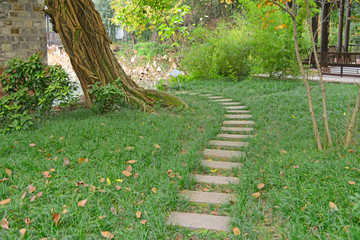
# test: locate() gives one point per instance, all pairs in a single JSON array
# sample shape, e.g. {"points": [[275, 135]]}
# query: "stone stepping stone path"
{"points": [[236, 128]]}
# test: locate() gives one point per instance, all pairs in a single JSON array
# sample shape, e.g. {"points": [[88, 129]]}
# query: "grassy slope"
{"points": [[283, 123], [97, 137]]}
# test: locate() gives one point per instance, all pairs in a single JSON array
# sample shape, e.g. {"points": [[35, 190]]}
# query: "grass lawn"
{"points": [[299, 180]]}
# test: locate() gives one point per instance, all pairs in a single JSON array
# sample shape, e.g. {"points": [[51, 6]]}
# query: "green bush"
{"points": [[223, 52], [30, 89], [107, 98], [151, 49]]}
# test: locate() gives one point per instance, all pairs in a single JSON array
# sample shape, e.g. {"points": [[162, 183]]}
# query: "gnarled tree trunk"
{"points": [[88, 46]]}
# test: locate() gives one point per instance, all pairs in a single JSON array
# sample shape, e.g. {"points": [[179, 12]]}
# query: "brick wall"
{"points": [[22, 29]]}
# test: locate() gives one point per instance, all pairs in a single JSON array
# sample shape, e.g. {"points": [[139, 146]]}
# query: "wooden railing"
{"points": [[340, 64]]}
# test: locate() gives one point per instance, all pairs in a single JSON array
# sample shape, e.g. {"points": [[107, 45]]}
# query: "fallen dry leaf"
{"points": [[283, 151], [82, 203], [261, 186], [184, 163], [296, 166], [108, 182], [107, 234], [27, 220], [127, 173], [128, 189], [65, 211], [157, 146], [129, 148], [60, 139], [113, 210], [352, 182], [46, 174], [141, 137], [9, 172], [169, 171], [131, 161], [81, 184], [5, 224], [52, 170], [32, 144], [4, 202], [154, 190], [285, 187], [138, 214], [66, 162], [4, 179], [23, 195], [333, 206], [56, 218], [118, 187], [183, 151], [93, 188], [82, 160], [140, 202], [143, 222], [22, 232], [236, 231], [256, 195], [129, 168], [31, 188], [39, 194], [101, 217], [33, 198]]}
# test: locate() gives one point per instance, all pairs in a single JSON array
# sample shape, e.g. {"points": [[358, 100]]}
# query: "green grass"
{"points": [[280, 109], [283, 123]]}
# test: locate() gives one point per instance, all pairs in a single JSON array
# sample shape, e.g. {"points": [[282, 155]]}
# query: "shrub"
{"points": [[151, 49], [223, 52], [107, 98], [30, 89]]}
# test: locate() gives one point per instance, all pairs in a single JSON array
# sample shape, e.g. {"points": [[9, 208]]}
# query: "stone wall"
{"points": [[22, 29]]}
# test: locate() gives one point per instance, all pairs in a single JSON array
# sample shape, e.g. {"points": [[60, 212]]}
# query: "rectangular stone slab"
{"points": [[234, 136], [235, 107], [214, 153], [237, 129], [223, 100], [237, 123], [220, 164], [228, 143], [215, 97], [215, 179], [237, 116], [208, 197], [230, 103], [238, 111], [199, 221]]}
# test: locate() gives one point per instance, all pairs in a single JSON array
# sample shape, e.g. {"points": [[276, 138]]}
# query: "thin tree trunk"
{"points": [[326, 123], [86, 42], [306, 83], [350, 130]]}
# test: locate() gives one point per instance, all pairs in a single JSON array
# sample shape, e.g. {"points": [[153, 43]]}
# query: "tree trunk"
{"points": [[353, 120], [316, 57], [86, 42], [305, 81]]}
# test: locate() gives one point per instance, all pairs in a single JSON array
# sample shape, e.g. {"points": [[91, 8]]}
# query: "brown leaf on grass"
{"points": [[3, 180], [48, 155], [107, 234], [32, 144], [27, 220], [256, 195], [46, 174], [56, 218], [169, 171], [23, 195], [118, 188], [154, 190], [214, 213], [128, 189], [93, 188], [261, 186], [184, 164], [39, 194], [137, 175], [5, 224], [283, 151], [66, 162], [157, 146], [52, 170], [333, 206], [236, 231], [9, 172], [129, 148], [126, 173], [351, 151], [296, 166], [101, 217], [60, 150], [60, 139], [129, 168], [352, 182], [143, 222], [82, 203], [102, 180], [131, 161], [183, 151], [22, 232], [113, 210], [33, 198], [138, 214], [4, 202], [140, 202], [65, 211], [82, 160], [31, 188], [285, 187], [81, 184], [141, 137]]}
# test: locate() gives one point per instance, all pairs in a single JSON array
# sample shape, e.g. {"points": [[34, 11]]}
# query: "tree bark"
{"points": [[316, 57], [86, 42]]}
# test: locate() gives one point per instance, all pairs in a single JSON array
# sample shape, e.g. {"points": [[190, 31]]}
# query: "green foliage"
{"points": [[151, 49], [30, 89], [109, 97], [223, 52]]}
